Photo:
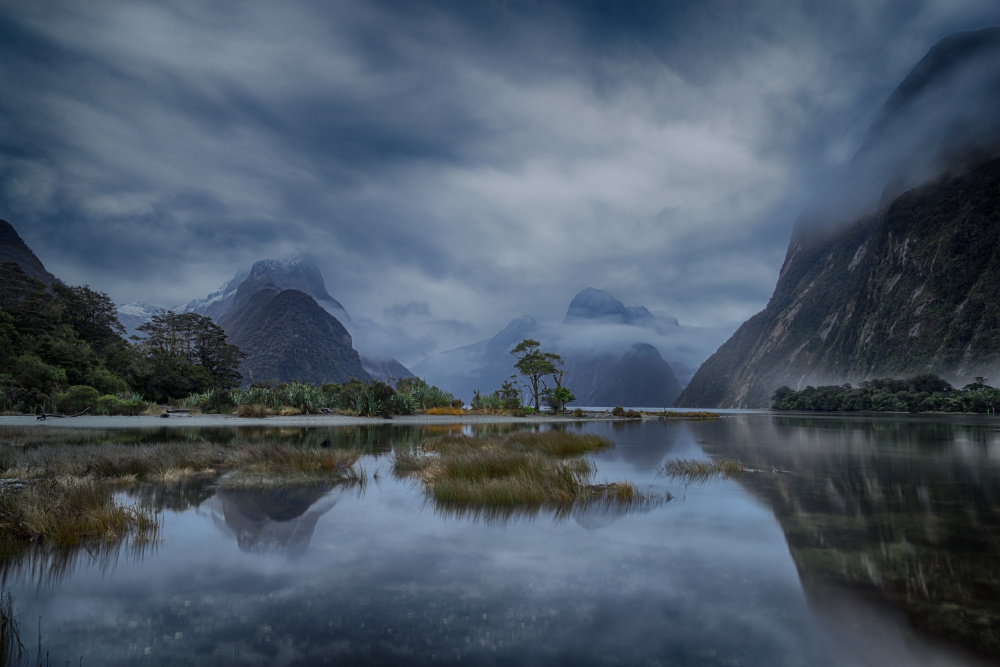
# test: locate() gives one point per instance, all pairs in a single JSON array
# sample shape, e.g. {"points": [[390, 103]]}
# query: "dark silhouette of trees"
{"points": [[925, 392], [182, 354]]}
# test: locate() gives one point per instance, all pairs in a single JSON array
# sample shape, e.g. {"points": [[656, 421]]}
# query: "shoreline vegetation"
{"points": [[925, 392]]}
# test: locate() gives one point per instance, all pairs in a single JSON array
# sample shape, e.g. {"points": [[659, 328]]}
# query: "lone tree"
{"points": [[535, 365]]}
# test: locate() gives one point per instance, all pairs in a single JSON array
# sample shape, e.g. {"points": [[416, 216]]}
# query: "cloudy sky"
{"points": [[451, 165]]}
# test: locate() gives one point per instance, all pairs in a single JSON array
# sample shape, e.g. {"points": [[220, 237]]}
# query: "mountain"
{"points": [[638, 378], [903, 280], [134, 315], [288, 336], [607, 360], [219, 302], [14, 249], [298, 272], [385, 369]]}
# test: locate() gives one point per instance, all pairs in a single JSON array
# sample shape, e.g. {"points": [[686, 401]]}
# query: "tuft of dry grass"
{"points": [[254, 410], [70, 512], [517, 469], [449, 410]]}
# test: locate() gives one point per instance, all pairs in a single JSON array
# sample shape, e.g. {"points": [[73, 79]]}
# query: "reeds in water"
{"points": [[695, 470], [11, 648], [69, 512], [515, 470]]}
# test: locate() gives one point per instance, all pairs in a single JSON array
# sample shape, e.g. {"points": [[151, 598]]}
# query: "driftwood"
{"points": [[43, 416]]}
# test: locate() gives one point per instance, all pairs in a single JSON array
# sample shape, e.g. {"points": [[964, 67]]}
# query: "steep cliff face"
{"points": [[14, 249], [912, 289], [896, 284], [288, 336]]}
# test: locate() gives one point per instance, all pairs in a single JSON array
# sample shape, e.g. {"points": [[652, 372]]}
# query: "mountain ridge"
{"points": [[14, 249], [904, 286], [599, 340], [288, 336]]}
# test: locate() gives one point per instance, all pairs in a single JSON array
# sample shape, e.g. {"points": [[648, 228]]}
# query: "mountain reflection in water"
{"points": [[903, 511], [878, 542], [281, 519]]}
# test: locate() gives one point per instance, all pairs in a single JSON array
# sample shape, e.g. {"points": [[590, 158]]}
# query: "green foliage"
{"points": [[114, 406], [403, 403], [30, 372], [925, 392], [106, 382], [51, 339], [76, 399], [535, 366], [558, 397], [219, 401], [184, 353], [486, 401], [621, 412], [510, 396], [368, 398]]}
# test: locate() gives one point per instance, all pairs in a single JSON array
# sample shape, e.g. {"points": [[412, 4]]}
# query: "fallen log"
{"points": [[44, 416]]}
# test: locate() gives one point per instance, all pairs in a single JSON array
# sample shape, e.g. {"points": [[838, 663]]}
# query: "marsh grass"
{"points": [[126, 465], [67, 512], [11, 648], [63, 496], [699, 471], [674, 415], [500, 475]]}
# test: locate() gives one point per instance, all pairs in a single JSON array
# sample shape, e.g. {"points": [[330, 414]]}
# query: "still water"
{"points": [[860, 541]]}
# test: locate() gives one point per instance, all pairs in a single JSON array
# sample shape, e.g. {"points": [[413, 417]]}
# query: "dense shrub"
{"points": [[219, 401], [114, 406], [76, 399]]}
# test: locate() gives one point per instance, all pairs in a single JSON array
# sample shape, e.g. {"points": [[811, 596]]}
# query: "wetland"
{"points": [[755, 539]]}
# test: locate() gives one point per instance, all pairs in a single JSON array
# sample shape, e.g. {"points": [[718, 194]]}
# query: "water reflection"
{"points": [[271, 520], [46, 565], [376, 439], [905, 511], [877, 525], [590, 514]]}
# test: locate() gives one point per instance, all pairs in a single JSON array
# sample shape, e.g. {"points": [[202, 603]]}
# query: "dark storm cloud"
{"points": [[487, 159]]}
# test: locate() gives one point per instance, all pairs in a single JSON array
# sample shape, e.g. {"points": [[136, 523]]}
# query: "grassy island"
{"points": [[522, 468]]}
